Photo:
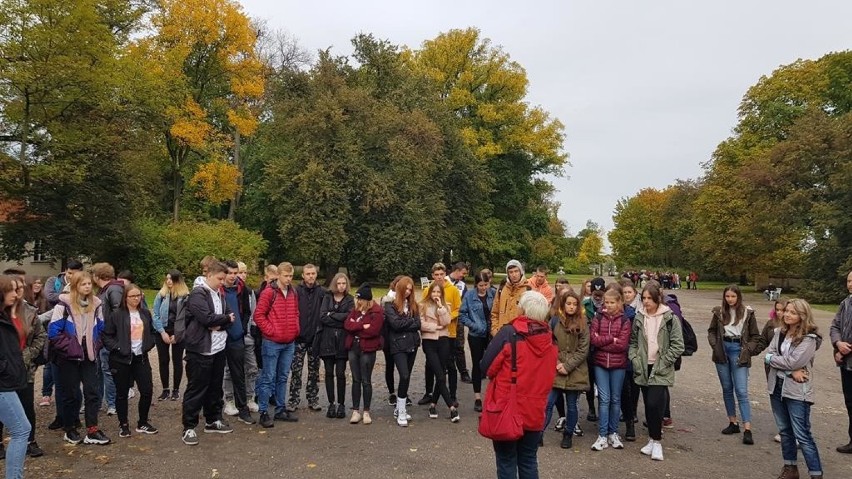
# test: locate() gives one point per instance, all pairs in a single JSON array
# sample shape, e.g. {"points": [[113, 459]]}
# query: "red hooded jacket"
{"points": [[371, 338], [609, 353], [536, 357], [277, 315]]}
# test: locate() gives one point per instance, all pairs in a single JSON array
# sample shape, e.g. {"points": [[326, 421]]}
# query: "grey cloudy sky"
{"points": [[646, 89]]}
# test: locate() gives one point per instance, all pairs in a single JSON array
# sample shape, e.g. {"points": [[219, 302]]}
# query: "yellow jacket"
{"points": [[452, 297], [505, 307]]}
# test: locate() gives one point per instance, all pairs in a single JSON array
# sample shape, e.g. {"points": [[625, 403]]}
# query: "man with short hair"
{"points": [[453, 300], [205, 337], [457, 276], [539, 283], [110, 293], [310, 296], [237, 298], [841, 340], [56, 285]]}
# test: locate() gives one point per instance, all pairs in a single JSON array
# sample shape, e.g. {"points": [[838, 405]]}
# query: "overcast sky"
{"points": [[646, 89]]}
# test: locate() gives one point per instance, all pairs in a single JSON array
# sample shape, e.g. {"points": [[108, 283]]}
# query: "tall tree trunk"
{"points": [[232, 212]]}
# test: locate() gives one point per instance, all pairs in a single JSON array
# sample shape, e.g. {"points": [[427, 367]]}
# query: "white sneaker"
{"points": [[600, 444], [356, 417], [777, 438], [560, 424], [400, 412], [615, 441], [111, 411], [366, 419], [647, 449], [253, 407], [657, 451], [230, 409], [131, 393]]}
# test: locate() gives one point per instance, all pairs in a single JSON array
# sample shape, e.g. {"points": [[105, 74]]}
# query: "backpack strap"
{"points": [[514, 343]]}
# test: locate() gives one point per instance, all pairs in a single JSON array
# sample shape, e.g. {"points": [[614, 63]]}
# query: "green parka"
{"points": [[670, 342], [573, 351]]}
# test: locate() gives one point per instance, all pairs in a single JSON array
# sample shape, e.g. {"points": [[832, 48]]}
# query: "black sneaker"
{"points": [[33, 450], [72, 437], [98, 438], [733, 428], [286, 417], [465, 377], [332, 411], [592, 417], [477, 405], [266, 421], [245, 417], [146, 428], [426, 399], [408, 401], [341, 411], [55, 425], [176, 395], [164, 395], [392, 400], [190, 438], [454, 415], [219, 426], [567, 441], [747, 438], [630, 433], [124, 430], [433, 413]]}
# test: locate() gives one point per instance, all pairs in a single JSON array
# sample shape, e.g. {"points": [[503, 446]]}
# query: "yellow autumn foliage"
{"points": [[216, 182]]}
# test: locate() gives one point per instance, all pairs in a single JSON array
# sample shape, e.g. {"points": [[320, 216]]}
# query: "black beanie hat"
{"points": [[598, 284], [364, 292]]}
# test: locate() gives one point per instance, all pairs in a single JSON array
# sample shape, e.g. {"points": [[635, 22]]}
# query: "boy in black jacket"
{"points": [[205, 338]]}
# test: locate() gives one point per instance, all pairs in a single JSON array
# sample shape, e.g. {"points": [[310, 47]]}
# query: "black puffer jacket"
{"points": [[403, 330], [116, 335], [13, 372], [331, 336]]}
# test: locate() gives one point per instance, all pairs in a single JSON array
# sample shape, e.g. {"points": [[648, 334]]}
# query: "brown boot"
{"points": [[789, 472]]}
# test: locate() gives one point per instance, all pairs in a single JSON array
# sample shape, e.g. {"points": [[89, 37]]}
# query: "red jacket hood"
{"points": [[532, 330]]}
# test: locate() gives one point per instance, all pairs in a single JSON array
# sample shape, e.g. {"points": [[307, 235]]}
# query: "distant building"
{"points": [[37, 263]]}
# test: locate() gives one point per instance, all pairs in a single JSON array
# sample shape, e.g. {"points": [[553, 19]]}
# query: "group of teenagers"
{"points": [[242, 346]]}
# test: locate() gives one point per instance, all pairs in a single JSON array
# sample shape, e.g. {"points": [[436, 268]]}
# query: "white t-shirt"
{"points": [[734, 331], [218, 339], [137, 329]]}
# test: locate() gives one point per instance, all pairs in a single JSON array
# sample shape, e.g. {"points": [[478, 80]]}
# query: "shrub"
{"points": [[181, 245]]}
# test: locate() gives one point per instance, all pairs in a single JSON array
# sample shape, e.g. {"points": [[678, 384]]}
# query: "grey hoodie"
{"points": [[800, 356]]}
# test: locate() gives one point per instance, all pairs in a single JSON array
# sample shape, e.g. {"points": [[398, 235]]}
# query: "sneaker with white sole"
{"points": [[97, 437], [253, 407], [454, 415], [111, 411], [146, 428], [600, 444], [615, 441], [131, 393], [657, 451], [219, 426], [578, 431], [230, 409], [647, 449], [433, 412], [560, 424], [366, 419], [777, 438], [356, 417], [190, 438]]}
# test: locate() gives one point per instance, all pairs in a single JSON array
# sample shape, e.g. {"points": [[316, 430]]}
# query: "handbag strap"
{"points": [[514, 341]]}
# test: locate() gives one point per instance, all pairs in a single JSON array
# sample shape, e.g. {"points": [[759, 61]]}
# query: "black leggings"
{"points": [[404, 363], [590, 396], [361, 365], [437, 357], [655, 398], [335, 373], [477, 350], [629, 397], [389, 380], [176, 358]]}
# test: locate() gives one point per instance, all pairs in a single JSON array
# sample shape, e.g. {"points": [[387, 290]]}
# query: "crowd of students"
{"points": [[242, 349]]}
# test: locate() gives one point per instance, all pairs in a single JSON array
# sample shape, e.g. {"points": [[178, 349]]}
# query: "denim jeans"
{"points": [[572, 413], [13, 416], [610, 382], [793, 419], [277, 359], [734, 379], [107, 386], [518, 459]]}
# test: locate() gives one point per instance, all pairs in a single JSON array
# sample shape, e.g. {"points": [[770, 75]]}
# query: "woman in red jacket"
{"points": [[536, 364], [610, 336], [363, 339]]}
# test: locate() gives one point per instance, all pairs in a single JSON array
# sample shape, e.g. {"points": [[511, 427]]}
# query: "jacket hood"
{"points": [[66, 298], [816, 337], [389, 298], [536, 334], [517, 264], [661, 310]]}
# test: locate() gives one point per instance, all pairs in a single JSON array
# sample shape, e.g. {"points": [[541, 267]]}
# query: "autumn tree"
{"points": [[199, 73]]}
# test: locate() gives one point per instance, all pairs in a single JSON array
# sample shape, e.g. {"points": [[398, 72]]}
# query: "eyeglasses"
{"points": [[134, 295]]}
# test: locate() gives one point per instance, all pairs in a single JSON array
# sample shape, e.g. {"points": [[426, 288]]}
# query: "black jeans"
{"points": [[448, 349], [335, 373], [590, 396], [176, 358], [437, 357], [846, 381], [235, 356], [27, 398], [71, 374], [204, 376], [124, 375], [655, 398], [460, 359], [404, 363], [389, 379], [477, 350], [361, 365], [629, 398]]}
